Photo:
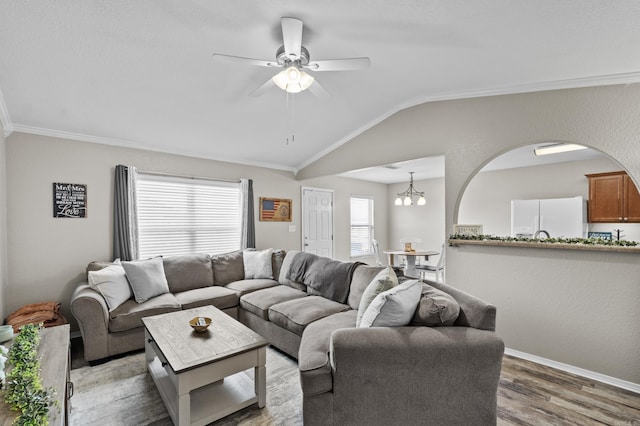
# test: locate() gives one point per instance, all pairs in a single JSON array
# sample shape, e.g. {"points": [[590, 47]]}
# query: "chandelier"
{"points": [[407, 197]]}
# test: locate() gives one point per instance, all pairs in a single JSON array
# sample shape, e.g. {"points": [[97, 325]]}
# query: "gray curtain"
{"points": [[248, 219], [125, 232]]}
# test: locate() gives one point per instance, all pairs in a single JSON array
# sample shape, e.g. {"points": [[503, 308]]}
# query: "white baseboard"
{"points": [[623, 384]]}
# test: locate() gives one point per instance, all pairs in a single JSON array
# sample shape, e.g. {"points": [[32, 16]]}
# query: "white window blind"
{"points": [[361, 226], [187, 216]]}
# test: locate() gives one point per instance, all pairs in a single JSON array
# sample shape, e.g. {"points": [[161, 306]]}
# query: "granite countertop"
{"points": [[526, 244]]}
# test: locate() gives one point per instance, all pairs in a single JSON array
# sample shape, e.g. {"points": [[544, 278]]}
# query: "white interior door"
{"points": [[317, 221]]}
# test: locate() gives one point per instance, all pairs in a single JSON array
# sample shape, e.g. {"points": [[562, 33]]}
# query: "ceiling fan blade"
{"points": [[348, 64], [262, 89], [319, 91], [292, 37], [249, 61]]}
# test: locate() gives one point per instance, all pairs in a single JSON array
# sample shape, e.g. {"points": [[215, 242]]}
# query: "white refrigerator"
{"points": [[560, 217]]}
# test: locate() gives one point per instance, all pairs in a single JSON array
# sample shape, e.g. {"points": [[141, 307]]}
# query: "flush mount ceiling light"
{"points": [[557, 148], [293, 80], [407, 197]]}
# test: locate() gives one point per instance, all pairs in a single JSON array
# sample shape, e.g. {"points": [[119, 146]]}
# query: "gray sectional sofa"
{"points": [[412, 374]]}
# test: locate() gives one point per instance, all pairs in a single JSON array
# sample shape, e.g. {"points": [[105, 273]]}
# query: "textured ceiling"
{"points": [[141, 74]]}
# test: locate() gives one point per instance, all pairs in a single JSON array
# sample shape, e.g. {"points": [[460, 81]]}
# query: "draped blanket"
{"points": [[47, 313], [323, 276]]}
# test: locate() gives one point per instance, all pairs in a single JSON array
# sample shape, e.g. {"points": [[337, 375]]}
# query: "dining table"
{"points": [[410, 268]]}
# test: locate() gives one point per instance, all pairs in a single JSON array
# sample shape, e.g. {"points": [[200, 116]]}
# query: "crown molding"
{"points": [[574, 83], [4, 117], [613, 381], [61, 134]]}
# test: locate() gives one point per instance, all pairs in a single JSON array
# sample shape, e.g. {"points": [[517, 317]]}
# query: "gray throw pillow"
{"points": [[228, 267], [385, 280], [257, 264], [435, 308], [394, 307], [111, 282], [146, 277]]}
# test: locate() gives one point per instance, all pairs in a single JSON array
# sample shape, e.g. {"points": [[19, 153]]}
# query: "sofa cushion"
{"points": [[276, 262], [111, 282], [313, 356], [259, 302], [284, 271], [220, 297], [385, 280], [435, 308], [146, 277], [294, 315], [129, 315], [362, 277], [243, 287], [258, 263], [227, 267], [394, 307], [188, 272], [97, 265]]}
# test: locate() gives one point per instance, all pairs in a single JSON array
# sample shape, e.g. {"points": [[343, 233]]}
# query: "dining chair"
{"points": [[437, 270], [376, 251]]}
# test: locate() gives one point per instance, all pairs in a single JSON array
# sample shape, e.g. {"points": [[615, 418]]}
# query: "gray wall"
{"points": [[487, 198], [3, 225], [574, 307], [48, 256]]}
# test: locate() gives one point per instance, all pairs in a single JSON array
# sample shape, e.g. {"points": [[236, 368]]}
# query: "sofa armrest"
{"points": [[91, 311], [415, 375]]}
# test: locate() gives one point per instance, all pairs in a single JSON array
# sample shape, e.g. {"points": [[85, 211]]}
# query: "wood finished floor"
{"points": [[534, 394]]}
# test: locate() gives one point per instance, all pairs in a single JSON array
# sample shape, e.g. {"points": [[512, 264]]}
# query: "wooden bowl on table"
{"points": [[200, 323]]}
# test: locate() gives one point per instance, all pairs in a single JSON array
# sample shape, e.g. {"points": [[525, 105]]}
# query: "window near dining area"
{"points": [[361, 226], [187, 216]]}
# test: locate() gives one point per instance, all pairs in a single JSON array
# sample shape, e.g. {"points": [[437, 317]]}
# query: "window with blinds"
{"points": [[361, 226], [187, 216]]}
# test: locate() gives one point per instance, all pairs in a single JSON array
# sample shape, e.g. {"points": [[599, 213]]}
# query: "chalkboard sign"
{"points": [[69, 200]]}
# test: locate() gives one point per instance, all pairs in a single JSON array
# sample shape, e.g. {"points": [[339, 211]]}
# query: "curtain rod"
{"points": [[188, 177]]}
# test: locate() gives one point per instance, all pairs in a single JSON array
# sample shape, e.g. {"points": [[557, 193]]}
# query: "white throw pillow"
{"points": [[395, 307], [111, 282], [385, 280], [147, 278], [257, 264]]}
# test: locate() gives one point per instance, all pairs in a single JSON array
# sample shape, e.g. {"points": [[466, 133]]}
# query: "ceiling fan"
{"points": [[294, 58]]}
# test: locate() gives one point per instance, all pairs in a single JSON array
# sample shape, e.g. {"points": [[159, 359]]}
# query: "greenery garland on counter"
{"points": [[583, 241], [23, 388]]}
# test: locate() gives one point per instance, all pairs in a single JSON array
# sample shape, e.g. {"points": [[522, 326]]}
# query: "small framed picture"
{"points": [[601, 235], [69, 200], [275, 210], [470, 230]]}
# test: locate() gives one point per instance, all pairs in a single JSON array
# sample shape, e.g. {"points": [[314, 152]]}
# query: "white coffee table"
{"points": [[200, 374]]}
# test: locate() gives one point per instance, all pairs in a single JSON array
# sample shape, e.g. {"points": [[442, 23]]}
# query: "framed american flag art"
{"points": [[275, 210]]}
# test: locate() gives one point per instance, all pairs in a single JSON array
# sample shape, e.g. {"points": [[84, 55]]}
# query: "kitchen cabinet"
{"points": [[613, 198]]}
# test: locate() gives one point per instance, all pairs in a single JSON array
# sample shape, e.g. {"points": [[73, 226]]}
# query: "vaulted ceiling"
{"points": [[141, 73]]}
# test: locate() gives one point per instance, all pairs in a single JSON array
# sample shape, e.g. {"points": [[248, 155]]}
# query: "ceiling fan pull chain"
{"points": [[290, 118], [293, 117]]}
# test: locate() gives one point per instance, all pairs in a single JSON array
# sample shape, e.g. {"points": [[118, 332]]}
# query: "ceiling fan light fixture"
{"points": [[293, 80]]}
